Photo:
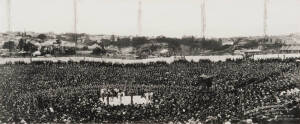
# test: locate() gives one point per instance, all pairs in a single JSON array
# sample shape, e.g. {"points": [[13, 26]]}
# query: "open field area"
{"points": [[72, 92]]}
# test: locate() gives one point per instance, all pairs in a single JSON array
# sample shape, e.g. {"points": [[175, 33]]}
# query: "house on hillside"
{"points": [[227, 42], [93, 46], [53, 47], [99, 38], [248, 53], [290, 49], [165, 53], [2, 40], [67, 44]]}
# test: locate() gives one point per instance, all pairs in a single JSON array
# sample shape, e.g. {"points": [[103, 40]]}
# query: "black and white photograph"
{"points": [[150, 61]]}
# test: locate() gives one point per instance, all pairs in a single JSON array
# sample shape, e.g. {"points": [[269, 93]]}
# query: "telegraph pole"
{"points": [[203, 18], [266, 2], [8, 2], [139, 18], [75, 21]]}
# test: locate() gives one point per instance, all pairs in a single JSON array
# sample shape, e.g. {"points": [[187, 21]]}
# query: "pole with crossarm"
{"points": [[139, 18], [203, 18], [8, 2], [75, 21]]}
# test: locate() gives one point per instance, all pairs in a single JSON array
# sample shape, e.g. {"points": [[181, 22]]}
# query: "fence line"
{"points": [[127, 61]]}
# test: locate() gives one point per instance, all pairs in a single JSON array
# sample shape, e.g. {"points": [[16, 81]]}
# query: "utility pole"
{"points": [[139, 18], [8, 2], [203, 19], [75, 21], [266, 2]]}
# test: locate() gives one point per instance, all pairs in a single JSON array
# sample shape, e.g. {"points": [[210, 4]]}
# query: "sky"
{"points": [[173, 18]]}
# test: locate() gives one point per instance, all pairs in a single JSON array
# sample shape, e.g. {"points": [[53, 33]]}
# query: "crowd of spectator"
{"points": [[71, 92]]}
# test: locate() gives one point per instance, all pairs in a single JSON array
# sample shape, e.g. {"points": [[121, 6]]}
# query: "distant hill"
{"points": [[288, 39], [188, 45]]}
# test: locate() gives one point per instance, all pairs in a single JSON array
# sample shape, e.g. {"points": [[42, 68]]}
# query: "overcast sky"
{"points": [[173, 18]]}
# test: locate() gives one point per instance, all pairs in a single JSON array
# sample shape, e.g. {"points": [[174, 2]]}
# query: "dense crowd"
{"points": [[71, 92]]}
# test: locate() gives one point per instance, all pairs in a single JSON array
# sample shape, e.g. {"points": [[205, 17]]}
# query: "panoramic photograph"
{"points": [[150, 61]]}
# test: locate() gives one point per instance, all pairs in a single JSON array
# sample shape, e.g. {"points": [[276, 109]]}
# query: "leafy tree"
{"points": [[173, 43], [31, 47], [98, 51], [42, 36], [122, 42], [58, 41], [27, 46], [9, 45], [278, 43], [70, 51], [251, 44], [211, 44], [137, 41], [21, 44], [85, 48], [190, 41]]}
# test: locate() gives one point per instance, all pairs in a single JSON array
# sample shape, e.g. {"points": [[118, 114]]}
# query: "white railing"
{"points": [[129, 61]]}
